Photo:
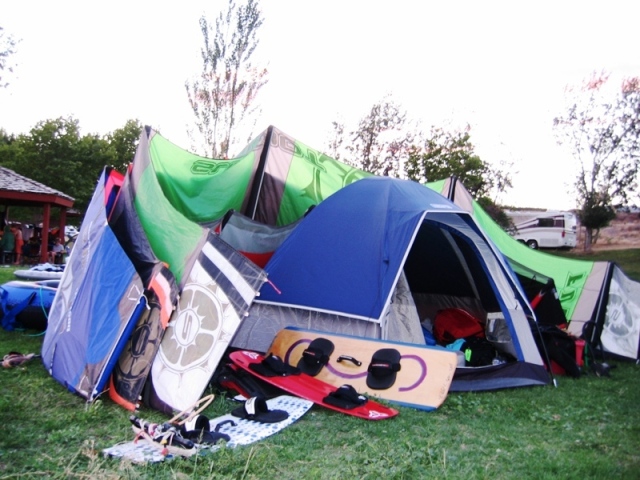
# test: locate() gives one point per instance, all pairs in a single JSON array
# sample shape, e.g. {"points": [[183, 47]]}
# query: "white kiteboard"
{"points": [[244, 432], [216, 296], [240, 431]]}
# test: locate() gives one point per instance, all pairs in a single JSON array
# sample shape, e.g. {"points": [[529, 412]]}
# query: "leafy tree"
{"points": [[496, 212], [124, 141], [54, 153], [446, 153], [7, 152], [381, 141], [92, 153], [224, 94], [385, 143], [7, 49], [601, 128], [596, 213]]}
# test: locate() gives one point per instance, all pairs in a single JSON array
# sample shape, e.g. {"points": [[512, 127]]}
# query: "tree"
{"points": [[387, 143], [7, 49], [224, 94], [601, 129], [336, 141], [7, 152], [124, 142], [447, 153], [496, 212], [381, 141], [55, 154]]}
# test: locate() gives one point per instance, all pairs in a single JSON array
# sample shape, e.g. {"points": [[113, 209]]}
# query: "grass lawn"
{"points": [[628, 260], [584, 428]]}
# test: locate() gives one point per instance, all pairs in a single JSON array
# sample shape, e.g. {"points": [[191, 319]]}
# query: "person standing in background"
{"points": [[8, 244], [17, 232]]}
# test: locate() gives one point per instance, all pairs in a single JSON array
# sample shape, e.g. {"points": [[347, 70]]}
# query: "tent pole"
{"points": [[544, 352], [599, 315], [258, 179]]}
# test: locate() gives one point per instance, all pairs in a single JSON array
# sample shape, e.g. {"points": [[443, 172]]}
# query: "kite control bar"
{"points": [[163, 433]]}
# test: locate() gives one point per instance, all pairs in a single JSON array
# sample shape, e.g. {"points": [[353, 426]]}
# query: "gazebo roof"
{"points": [[22, 191]]}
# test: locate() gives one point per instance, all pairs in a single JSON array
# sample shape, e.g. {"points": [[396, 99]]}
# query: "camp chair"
{"points": [[8, 257], [59, 258], [30, 255]]}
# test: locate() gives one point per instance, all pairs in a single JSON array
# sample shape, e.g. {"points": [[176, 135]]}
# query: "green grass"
{"points": [[585, 429], [628, 260]]}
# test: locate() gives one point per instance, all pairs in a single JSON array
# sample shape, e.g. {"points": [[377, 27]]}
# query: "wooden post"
{"points": [[62, 224], [44, 247]]}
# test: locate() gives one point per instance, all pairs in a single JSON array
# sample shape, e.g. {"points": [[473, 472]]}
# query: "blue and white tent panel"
{"points": [[98, 301]]}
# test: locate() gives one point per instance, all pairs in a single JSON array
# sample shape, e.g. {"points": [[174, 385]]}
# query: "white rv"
{"points": [[545, 229]]}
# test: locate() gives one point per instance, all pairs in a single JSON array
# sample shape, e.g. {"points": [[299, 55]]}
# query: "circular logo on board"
{"points": [[190, 338]]}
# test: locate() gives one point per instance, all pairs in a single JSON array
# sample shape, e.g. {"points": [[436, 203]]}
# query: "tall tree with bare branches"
{"points": [[7, 50], [601, 128], [224, 95], [379, 144]]}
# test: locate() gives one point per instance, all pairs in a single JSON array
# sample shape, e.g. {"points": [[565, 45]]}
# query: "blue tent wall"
{"points": [[347, 255], [348, 251]]}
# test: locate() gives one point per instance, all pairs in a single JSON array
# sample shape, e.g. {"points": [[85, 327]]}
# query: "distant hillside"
{"points": [[624, 232]]}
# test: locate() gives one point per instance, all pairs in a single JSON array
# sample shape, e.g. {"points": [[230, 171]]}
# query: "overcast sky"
{"points": [[500, 66]]}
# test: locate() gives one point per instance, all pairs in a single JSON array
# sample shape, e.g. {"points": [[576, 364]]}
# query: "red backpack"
{"points": [[451, 324]]}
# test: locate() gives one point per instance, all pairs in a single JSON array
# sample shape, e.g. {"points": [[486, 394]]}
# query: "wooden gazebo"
{"points": [[19, 191]]}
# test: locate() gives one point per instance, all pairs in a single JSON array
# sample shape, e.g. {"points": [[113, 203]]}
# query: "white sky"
{"points": [[499, 65]]}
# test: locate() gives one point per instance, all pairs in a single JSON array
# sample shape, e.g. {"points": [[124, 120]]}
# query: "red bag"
{"points": [[451, 324]]}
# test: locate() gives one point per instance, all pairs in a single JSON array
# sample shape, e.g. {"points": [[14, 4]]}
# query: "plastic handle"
{"points": [[349, 359]]}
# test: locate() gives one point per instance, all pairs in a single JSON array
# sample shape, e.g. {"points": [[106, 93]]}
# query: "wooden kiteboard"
{"points": [[422, 381]]}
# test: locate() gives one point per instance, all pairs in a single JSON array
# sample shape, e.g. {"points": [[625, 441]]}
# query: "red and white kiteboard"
{"points": [[310, 388]]}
